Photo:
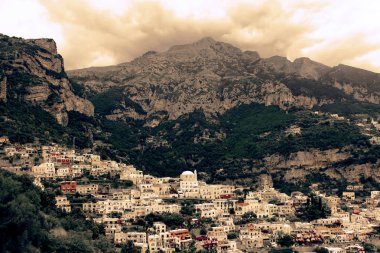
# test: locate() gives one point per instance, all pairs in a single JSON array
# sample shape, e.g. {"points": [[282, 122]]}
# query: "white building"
{"points": [[189, 187]]}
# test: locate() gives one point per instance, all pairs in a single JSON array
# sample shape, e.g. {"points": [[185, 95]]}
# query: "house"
{"points": [[161, 243], [227, 246], [335, 250], [348, 195], [212, 192], [63, 172], [159, 227], [68, 187], [62, 203], [225, 205], [227, 223], [138, 238], [4, 139], [87, 188], [251, 237], [375, 194], [217, 234], [131, 173], [182, 237], [46, 170]]}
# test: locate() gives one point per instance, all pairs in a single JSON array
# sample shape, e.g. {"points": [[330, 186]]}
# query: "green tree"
{"points": [[314, 209], [370, 248], [321, 250], [248, 218], [29, 221], [203, 231], [285, 241], [129, 247], [286, 250], [187, 208], [231, 236]]}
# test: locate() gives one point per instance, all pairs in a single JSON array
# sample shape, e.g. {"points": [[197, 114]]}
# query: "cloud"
{"points": [[345, 50], [98, 36]]}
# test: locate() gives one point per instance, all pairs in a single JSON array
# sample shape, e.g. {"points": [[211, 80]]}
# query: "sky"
{"points": [[105, 32]]}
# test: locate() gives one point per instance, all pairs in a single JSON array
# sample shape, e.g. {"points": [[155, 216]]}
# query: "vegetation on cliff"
{"points": [[29, 221]]}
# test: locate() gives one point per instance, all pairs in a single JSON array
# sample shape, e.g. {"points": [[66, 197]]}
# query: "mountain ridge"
{"points": [[215, 76], [210, 41]]}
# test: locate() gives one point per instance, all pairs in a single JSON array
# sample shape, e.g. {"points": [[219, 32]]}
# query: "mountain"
{"points": [[215, 77], [32, 71], [209, 106]]}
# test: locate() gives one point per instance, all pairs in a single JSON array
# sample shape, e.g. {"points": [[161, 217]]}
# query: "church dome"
{"points": [[187, 173]]}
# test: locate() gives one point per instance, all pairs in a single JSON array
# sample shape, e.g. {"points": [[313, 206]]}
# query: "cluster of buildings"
{"points": [[234, 219]]}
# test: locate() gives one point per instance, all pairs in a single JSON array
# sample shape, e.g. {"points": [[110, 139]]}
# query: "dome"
{"points": [[187, 173]]}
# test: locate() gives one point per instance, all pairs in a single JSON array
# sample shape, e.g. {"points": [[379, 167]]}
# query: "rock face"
{"points": [[311, 159], [31, 71], [215, 76]]}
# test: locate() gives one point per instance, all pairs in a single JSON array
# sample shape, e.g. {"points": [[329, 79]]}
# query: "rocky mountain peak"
{"points": [[216, 76], [203, 43], [279, 63], [310, 69], [253, 55], [206, 41], [206, 48]]}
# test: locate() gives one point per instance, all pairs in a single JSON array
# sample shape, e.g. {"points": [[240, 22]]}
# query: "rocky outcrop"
{"points": [[216, 76], [3, 89], [359, 93], [354, 173], [312, 159], [33, 72]]}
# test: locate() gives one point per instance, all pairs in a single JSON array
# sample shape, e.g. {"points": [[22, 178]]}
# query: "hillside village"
{"points": [[168, 214]]}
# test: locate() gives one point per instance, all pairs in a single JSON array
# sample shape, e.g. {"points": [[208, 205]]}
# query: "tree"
{"points": [[29, 218], [172, 220], [203, 231], [231, 236], [248, 218], [286, 250], [370, 248], [188, 209], [321, 250], [285, 241], [115, 214], [129, 247], [314, 209], [238, 192]]}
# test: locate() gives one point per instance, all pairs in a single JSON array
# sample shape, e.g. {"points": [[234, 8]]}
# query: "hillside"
{"points": [[208, 106], [30, 221]]}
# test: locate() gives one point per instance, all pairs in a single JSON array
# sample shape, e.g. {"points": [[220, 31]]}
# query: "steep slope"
{"points": [[215, 76], [31, 71]]}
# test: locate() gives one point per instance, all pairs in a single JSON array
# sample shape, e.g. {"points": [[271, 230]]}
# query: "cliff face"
{"points": [[33, 72], [312, 159], [215, 76]]}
